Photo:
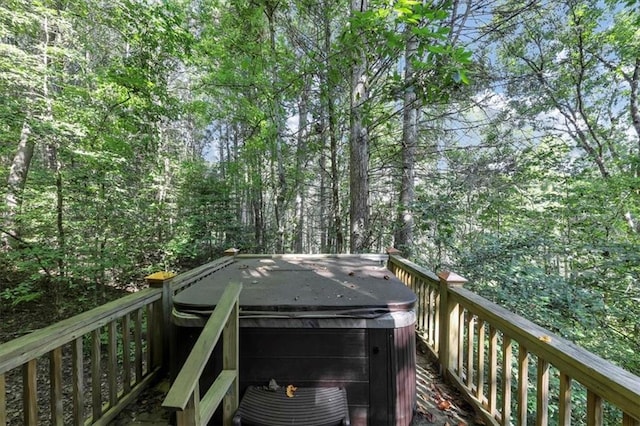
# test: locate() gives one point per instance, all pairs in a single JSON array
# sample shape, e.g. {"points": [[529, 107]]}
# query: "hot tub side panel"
{"points": [[309, 358], [376, 366], [392, 376]]}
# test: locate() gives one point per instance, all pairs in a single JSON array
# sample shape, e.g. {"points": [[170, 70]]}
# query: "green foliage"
{"points": [[164, 132]]}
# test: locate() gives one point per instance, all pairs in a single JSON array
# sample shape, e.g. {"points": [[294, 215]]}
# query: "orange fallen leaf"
{"points": [[291, 390], [545, 339], [444, 405]]}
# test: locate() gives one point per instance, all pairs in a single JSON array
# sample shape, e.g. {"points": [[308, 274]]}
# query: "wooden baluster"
{"points": [[523, 384], [594, 409], [429, 325], [78, 381], [190, 416], [493, 370], [126, 354], [55, 374], [30, 392], [3, 401], [436, 322], [460, 349], [627, 420], [150, 338], [507, 349], [230, 339], [435, 302], [542, 404], [137, 336], [481, 346], [470, 353], [564, 396], [424, 291], [96, 376], [112, 348], [422, 307]]}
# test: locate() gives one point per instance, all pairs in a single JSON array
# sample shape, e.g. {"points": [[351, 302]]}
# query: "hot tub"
{"points": [[342, 321]]}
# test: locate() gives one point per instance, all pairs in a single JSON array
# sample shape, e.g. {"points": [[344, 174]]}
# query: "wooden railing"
{"points": [[113, 342], [489, 352], [184, 395], [86, 369]]}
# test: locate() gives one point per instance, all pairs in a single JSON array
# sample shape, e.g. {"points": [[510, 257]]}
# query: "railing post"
{"points": [[231, 252], [161, 323], [449, 321], [392, 251]]}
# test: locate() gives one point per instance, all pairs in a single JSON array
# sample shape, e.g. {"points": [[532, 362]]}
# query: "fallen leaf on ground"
{"points": [[444, 405], [291, 390]]}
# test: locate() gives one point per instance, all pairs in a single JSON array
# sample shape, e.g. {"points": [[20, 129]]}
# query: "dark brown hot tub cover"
{"points": [[347, 286]]}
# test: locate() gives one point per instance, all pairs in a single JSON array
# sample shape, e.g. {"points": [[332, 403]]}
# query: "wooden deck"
{"points": [[499, 362], [433, 395]]}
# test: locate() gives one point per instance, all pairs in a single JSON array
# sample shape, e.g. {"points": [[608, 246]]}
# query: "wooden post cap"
{"points": [[451, 278], [157, 278], [231, 251], [393, 251]]}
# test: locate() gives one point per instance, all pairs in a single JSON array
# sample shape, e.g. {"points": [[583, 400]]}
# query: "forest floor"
{"points": [[438, 403]]}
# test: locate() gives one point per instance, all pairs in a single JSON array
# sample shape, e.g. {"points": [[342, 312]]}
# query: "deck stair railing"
{"points": [[486, 350], [184, 395], [121, 347]]}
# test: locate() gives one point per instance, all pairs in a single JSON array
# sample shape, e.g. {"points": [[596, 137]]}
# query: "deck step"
{"points": [[304, 406]]}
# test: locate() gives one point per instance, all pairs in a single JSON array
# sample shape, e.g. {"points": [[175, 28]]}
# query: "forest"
{"points": [[499, 139]]}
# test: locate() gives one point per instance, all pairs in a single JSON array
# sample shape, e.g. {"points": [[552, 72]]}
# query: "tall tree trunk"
{"points": [[359, 145], [323, 199], [404, 230], [15, 186], [277, 122], [633, 100], [301, 159], [332, 236]]}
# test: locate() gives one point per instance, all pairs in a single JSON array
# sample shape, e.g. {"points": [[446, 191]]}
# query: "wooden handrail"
{"points": [[136, 325], [618, 386], [192, 276], [184, 395], [474, 339], [33, 345], [50, 341]]}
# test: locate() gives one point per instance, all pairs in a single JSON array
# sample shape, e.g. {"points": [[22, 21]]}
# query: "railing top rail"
{"points": [[378, 257], [184, 385], [412, 267], [33, 345], [200, 272], [618, 386]]}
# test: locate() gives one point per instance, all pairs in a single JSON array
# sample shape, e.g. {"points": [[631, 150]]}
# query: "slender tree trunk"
{"points": [[301, 159], [277, 122], [359, 146], [323, 201], [404, 230], [336, 237], [633, 101], [15, 186]]}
